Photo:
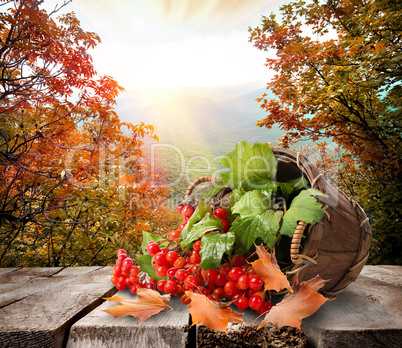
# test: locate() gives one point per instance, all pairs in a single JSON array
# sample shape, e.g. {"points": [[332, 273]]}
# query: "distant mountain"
{"points": [[197, 117], [195, 126]]}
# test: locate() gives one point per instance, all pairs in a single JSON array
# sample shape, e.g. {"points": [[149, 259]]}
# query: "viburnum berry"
{"points": [[188, 211], [133, 289], [160, 259], [255, 282], [242, 282], [224, 269], [175, 234], [165, 250], [182, 226], [153, 248], [150, 286], [154, 264], [220, 213], [237, 294], [120, 259], [171, 272], [190, 282], [121, 251], [212, 297], [193, 269], [219, 293], [161, 271], [195, 257], [161, 285], [211, 276], [154, 281], [116, 270], [172, 256], [135, 270], [225, 225], [250, 271], [238, 260], [180, 208], [170, 287], [265, 307], [202, 290], [126, 266], [230, 287], [255, 302], [181, 275], [180, 262], [134, 279], [197, 246], [242, 303], [250, 292], [235, 273], [121, 286], [220, 280], [127, 282], [114, 280]]}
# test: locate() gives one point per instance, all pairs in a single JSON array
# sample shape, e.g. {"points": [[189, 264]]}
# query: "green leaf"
{"points": [[236, 195], [213, 246], [252, 204], [246, 162], [286, 188], [266, 186], [208, 223], [304, 207], [299, 183], [145, 262], [147, 237], [209, 190], [199, 213], [265, 226]]}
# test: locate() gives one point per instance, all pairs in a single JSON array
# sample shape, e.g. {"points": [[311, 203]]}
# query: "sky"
{"points": [[175, 43]]}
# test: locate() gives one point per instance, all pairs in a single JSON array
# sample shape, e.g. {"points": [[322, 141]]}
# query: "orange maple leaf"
{"points": [[215, 315], [268, 270], [147, 303], [303, 302]]}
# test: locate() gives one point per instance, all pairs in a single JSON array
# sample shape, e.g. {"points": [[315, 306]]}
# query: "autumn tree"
{"points": [[73, 187], [338, 76]]}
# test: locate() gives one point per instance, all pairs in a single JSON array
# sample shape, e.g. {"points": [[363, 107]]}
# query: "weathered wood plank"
{"points": [[100, 330], [7, 270], [43, 316], [367, 314], [77, 271], [12, 289], [24, 275]]}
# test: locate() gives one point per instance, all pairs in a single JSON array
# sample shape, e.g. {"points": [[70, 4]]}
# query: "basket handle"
{"points": [[195, 183], [294, 247]]}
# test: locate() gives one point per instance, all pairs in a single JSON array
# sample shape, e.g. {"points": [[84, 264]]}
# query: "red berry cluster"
{"points": [[127, 275], [234, 280], [187, 211]]}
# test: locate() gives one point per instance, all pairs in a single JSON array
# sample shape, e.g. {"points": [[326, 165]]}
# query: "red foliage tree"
{"points": [[338, 76], [69, 168]]}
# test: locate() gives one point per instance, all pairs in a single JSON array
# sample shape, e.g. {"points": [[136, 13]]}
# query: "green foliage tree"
{"points": [[338, 76], [73, 188]]}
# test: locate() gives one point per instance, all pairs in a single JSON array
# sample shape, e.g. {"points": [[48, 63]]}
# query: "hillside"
{"points": [[195, 126]]}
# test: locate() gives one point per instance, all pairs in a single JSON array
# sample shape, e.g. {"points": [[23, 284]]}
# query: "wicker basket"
{"points": [[337, 247]]}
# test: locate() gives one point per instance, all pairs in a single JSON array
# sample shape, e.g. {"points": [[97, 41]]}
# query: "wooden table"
{"points": [[62, 307], [39, 305]]}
